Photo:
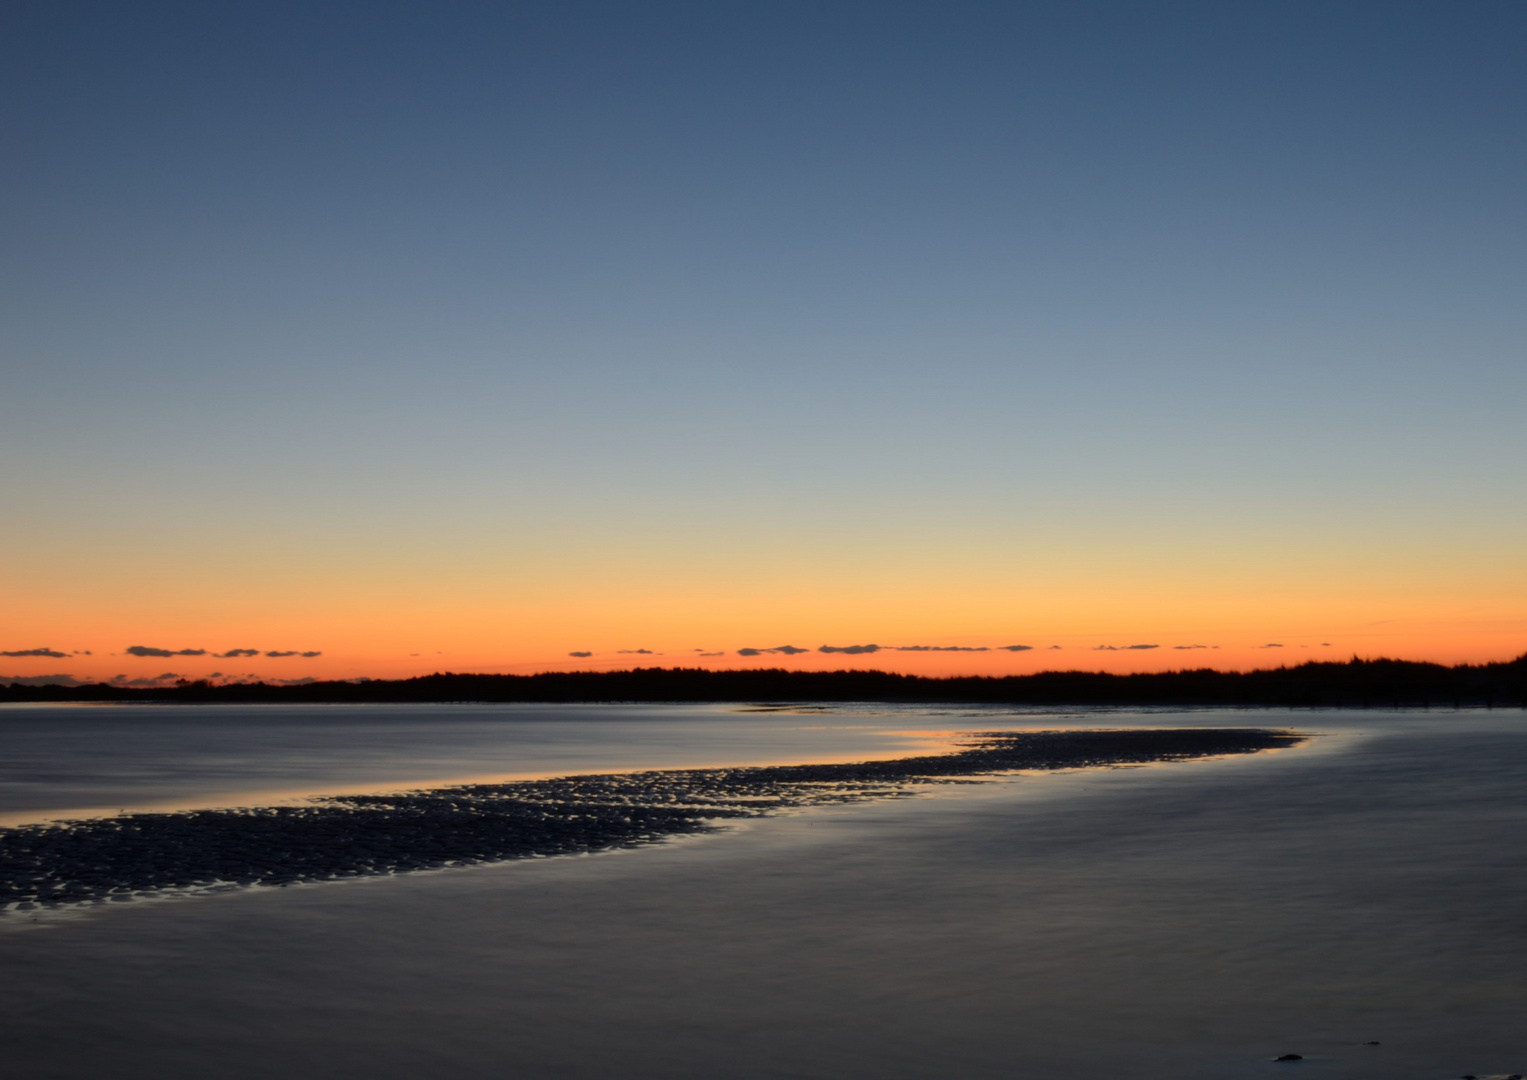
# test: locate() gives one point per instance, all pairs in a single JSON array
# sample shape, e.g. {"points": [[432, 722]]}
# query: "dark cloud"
{"points": [[279, 653], [580, 654], [1020, 648], [1190, 646], [941, 648], [236, 652], [1271, 645], [1121, 648], [1057, 646], [635, 652], [849, 650], [713, 654], [788, 650], [44, 651], [1327, 644], [310, 655], [40, 680], [294, 682], [748, 652], [149, 650]]}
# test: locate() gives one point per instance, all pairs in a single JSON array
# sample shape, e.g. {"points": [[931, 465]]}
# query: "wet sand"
{"points": [[1183, 920], [124, 856]]}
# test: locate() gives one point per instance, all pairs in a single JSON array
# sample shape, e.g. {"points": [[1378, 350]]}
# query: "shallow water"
{"points": [[1186, 920], [59, 761], [83, 760]]}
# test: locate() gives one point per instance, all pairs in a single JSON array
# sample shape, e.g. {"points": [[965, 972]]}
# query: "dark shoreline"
{"points": [[117, 858], [1356, 683]]}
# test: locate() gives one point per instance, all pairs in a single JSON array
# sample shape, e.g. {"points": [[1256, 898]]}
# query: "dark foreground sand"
{"points": [[1184, 920]]}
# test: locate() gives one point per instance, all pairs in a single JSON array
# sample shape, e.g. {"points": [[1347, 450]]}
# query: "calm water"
{"points": [[74, 760], [1190, 920]]}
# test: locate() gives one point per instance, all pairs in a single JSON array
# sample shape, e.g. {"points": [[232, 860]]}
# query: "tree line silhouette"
{"points": [[1356, 683]]}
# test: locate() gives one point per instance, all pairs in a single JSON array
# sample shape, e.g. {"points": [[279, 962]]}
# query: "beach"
{"points": [[1189, 919]]}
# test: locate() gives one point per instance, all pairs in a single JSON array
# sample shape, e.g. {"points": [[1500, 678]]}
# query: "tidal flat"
{"points": [[117, 858], [1355, 899]]}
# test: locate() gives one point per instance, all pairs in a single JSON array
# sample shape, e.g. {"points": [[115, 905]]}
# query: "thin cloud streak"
{"points": [[157, 680]]}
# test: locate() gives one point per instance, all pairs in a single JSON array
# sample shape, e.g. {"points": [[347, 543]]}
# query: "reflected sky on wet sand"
{"points": [[1192, 920]]}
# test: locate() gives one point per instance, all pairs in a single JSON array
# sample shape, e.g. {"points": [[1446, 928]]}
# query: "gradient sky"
{"points": [[470, 336]]}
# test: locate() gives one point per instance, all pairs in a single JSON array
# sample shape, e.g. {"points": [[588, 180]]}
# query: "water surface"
{"points": [[82, 760], [1189, 920]]}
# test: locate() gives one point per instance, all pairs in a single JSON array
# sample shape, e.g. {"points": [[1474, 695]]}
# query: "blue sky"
{"points": [[918, 281]]}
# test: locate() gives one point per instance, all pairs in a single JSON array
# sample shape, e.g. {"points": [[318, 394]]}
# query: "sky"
{"points": [[520, 337]]}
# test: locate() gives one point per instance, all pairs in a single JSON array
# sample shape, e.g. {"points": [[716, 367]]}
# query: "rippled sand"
{"points": [[346, 836]]}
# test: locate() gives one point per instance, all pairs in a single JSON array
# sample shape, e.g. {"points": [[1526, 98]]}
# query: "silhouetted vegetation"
{"points": [[1355, 683]]}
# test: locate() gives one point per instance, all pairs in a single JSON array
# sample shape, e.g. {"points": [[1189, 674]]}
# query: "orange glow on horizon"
{"points": [[373, 658], [481, 611]]}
